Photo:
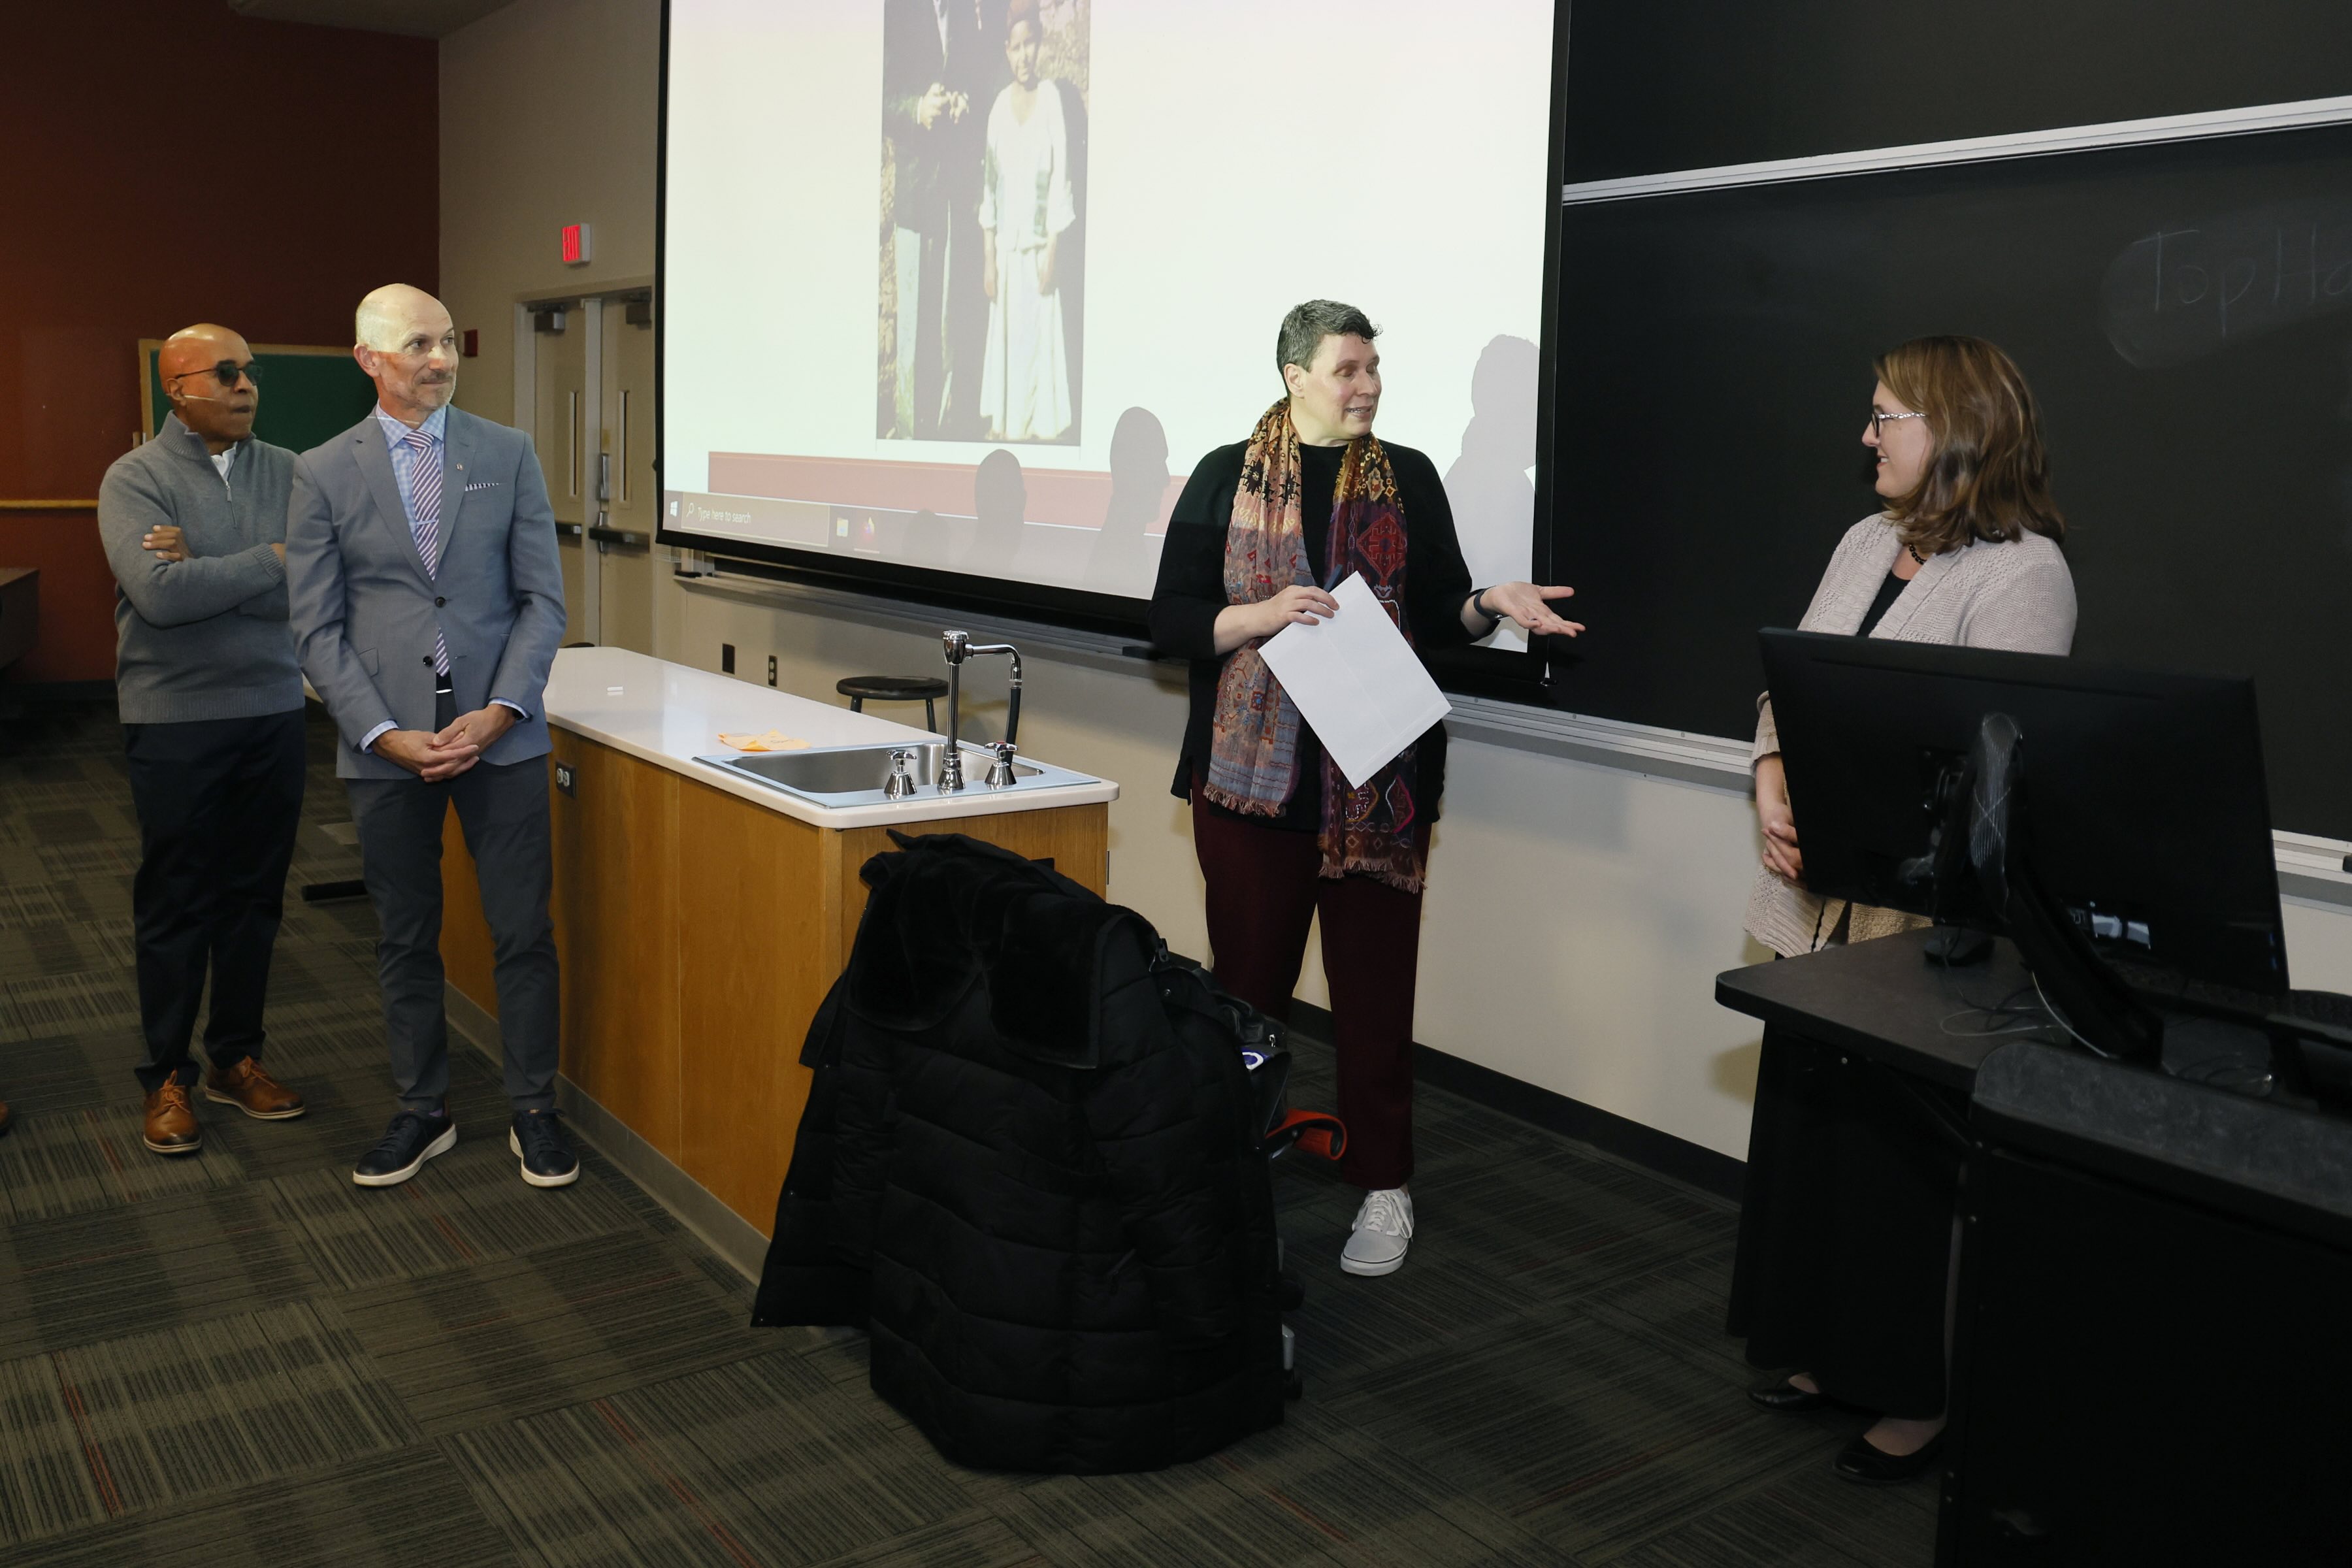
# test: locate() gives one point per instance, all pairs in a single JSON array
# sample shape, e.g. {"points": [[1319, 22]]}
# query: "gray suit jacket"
{"points": [[363, 611]]}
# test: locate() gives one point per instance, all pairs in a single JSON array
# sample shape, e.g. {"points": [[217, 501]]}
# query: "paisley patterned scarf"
{"points": [[1254, 744]]}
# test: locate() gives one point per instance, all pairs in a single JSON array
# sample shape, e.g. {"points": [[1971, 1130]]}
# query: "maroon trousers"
{"points": [[1264, 893]]}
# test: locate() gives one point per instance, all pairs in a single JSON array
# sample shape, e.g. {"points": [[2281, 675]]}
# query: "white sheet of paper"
{"points": [[1357, 682]]}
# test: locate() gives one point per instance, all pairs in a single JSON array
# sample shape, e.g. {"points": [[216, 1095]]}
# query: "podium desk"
{"points": [[2149, 1363], [1884, 1001]]}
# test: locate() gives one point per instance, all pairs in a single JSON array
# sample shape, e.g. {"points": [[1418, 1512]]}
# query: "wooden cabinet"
{"points": [[697, 932]]}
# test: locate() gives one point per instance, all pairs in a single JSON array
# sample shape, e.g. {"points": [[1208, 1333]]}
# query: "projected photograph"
{"points": [[984, 112]]}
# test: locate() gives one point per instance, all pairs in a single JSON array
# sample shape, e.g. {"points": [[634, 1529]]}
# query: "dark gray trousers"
{"points": [[219, 801], [503, 812]]}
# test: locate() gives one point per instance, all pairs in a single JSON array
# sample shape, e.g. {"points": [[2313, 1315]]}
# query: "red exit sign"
{"points": [[574, 244]]}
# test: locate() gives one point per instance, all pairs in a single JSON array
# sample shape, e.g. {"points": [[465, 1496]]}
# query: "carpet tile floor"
{"points": [[239, 1357]]}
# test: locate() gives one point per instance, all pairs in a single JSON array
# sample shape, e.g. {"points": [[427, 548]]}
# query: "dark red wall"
{"points": [[168, 163]]}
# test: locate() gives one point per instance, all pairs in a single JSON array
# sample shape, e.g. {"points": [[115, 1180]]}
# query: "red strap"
{"points": [[1317, 1132]]}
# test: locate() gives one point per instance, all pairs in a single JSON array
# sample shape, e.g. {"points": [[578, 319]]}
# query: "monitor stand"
{"points": [[1953, 947]]}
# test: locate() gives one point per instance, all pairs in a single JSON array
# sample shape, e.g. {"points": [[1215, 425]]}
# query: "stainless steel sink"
{"points": [[855, 775]]}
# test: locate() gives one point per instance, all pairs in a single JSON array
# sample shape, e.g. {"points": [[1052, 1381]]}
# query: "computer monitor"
{"points": [[2140, 799]]}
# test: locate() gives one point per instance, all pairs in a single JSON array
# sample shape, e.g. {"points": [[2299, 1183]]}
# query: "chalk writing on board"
{"points": [[2185, 289]]}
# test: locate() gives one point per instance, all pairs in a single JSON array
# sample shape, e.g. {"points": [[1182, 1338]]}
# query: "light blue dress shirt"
{"points": [[403, 468]]}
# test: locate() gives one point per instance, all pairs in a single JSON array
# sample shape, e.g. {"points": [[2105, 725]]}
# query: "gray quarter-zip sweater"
{"points": [[205, 637]]}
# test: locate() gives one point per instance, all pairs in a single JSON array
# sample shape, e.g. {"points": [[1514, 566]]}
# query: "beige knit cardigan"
{"points": [[2017, 595]]}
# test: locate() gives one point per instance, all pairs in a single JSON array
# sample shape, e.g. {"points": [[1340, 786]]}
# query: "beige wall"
{"points": [[1576, 918], [548, 117], [1577, 915]]}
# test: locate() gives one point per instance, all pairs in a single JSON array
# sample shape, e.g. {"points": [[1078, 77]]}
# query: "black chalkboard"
{"points": [[1659, 85], [2183, 312]]}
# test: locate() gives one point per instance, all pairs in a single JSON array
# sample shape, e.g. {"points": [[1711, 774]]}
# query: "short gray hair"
{"points": [[1304, 329]]}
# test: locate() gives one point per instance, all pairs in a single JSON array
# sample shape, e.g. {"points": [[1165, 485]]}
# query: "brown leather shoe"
{"points": [[245, 1086], [171, 1121]]}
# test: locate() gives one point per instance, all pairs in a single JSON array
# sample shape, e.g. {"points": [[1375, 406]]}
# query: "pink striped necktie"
{"points": [[424, 523]]}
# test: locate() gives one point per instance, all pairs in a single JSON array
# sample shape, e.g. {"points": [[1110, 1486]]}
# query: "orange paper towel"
{"points": [[774, 741]]}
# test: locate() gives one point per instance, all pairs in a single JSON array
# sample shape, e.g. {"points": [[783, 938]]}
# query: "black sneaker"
{"points": [[408, 1142], [547, 1160]]}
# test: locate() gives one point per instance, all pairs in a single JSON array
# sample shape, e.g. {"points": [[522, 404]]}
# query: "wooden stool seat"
{"points": [[924, 688]]}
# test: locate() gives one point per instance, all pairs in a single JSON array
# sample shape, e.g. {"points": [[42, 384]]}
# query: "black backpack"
{"points": [[1200, 1009]]}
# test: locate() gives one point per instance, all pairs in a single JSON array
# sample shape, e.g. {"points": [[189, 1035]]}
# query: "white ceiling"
{"points": [[418, 18]]}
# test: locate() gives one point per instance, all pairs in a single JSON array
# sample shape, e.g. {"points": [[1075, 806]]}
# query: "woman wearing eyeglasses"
{"points": [[1847, 1240]]}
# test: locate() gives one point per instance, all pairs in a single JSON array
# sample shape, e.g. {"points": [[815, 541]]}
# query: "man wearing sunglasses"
{"points": [[193, 522]]}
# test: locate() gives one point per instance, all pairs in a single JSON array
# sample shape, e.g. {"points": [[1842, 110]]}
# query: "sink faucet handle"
{"points": [[901, 782], [999, 771]]}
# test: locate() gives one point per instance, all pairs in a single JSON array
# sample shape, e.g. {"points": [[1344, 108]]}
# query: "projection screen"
{"points": [[971, 287]]}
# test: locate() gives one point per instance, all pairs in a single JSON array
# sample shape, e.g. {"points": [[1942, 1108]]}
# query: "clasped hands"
{"points": [[1776, 821], [938, 100], [437, 757]]}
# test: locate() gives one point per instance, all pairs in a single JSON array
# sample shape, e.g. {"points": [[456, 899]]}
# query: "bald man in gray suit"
{"points": [[428, 604]]}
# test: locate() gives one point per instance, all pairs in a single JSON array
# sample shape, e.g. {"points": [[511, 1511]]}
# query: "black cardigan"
{"points": [[1191, 594]]}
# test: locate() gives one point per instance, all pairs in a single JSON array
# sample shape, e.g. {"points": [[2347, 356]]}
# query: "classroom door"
{"points": [[628, 575], [559, 383]]}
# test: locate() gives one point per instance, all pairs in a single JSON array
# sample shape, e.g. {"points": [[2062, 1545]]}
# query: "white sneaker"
{"points": [[1383, 1229]]}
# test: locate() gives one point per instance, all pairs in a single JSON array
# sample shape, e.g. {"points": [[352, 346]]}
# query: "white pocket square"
{"points": [[481, 485]]}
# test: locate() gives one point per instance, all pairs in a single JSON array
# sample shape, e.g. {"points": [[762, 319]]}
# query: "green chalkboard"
{"points": [[308, 395]]}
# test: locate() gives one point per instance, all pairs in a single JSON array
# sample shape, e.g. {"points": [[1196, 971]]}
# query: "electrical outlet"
{"points": [[726, 658], [771, 669]]}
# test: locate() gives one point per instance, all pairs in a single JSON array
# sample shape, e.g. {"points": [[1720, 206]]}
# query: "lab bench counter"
{"points": [[701, 915]]}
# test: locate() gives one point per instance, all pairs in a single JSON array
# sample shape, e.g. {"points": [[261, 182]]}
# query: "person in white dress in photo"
{"points": [[1026, 205]]}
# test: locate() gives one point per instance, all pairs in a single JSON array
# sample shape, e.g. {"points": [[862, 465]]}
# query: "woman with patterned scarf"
{"points": [[1263, 530]]}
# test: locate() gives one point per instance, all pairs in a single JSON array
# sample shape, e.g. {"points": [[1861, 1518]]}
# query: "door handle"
{"points": [[604, 476]]}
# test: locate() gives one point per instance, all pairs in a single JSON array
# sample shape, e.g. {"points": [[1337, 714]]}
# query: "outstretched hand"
{"points": [[1526, 604]]}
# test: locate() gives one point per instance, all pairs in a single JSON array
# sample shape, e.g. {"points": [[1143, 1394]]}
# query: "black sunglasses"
{"points": [[226, 372]]}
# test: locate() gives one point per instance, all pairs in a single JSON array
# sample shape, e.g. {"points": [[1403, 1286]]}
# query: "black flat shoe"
{"points": [[1785, 1398], [547, 1160], [408, 1142], [1863, 1465]]}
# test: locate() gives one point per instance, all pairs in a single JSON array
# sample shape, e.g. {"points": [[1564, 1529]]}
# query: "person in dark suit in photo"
{"points": [[428, 607], [940, 65], [194, 523]]}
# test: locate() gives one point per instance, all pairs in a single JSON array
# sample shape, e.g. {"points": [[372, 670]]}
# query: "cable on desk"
{"points": [[2005, 1008], [2060, 1019]]}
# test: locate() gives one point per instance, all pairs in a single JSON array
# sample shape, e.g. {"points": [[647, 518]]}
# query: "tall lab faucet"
{"points": [[959, 646]]}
